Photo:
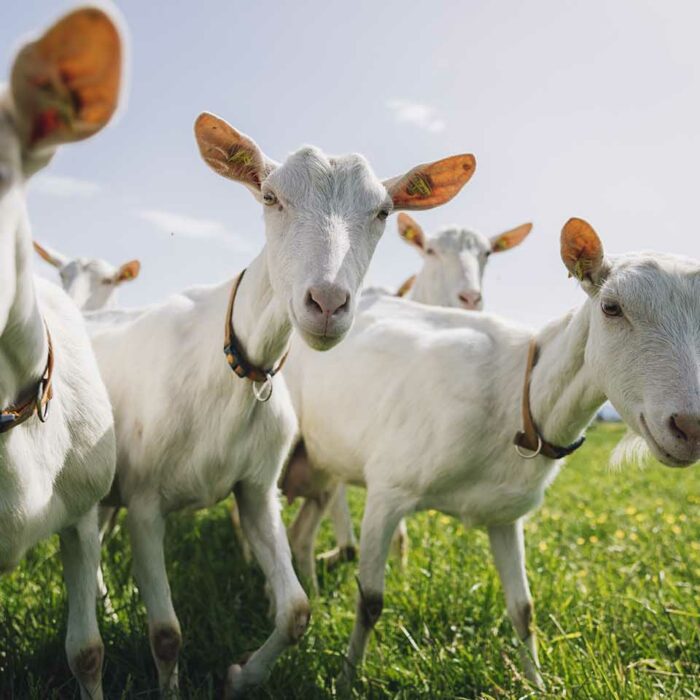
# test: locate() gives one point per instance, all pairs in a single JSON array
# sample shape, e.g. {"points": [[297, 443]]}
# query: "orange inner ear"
{"points": [[43, 253], [581, 249], [433, 184], [510, 239], [129, 271], [66, 84], [227, 151], [409, 230]]}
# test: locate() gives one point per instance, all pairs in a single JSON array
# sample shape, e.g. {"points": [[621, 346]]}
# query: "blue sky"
{"points": [[571, 108]]}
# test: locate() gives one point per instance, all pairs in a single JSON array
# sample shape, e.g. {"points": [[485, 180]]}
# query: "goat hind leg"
{"points": [[339, 513], [146, 527], [106, 521], [302, 535]]}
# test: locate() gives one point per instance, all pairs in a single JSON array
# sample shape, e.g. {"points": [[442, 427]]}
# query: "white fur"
{"points": [[51, 475], [420, 405]]}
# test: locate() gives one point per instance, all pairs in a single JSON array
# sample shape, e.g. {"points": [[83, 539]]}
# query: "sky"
{"points": [[587, 109]]}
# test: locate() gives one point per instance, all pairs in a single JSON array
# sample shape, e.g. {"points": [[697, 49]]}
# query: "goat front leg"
{"points": [[146, 527], [80, 552], [339, 513], [263, 526], [508, 548], [383, 511]]}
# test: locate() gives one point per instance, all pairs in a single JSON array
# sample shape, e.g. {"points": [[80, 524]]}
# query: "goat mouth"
{"points": [[660, 453], [318, 341]]}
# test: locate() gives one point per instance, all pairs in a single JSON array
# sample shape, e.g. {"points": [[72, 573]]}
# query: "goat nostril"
{"points": [[312, 304], [685, 426], [675, 429], [343, 307]]}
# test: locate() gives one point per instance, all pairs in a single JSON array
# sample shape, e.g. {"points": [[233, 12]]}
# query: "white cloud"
{"points": [[193, 228], [63, 186], [421, 115]]}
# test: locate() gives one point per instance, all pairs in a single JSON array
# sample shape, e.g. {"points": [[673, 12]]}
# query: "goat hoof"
{"points": [[337, 556], [299, 622], [235, 687]]}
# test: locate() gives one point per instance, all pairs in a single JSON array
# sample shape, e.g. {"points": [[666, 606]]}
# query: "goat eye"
{"points": [[383, 214], [611, 309], [269, 198], [429, 251]]}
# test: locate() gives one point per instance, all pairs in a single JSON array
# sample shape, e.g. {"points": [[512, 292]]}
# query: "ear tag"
{"points": [[410, 234], [419, 186], [580, 270], [239, 156]]}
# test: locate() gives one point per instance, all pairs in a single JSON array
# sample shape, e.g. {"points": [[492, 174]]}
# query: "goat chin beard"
{"points": [[632, 450]]}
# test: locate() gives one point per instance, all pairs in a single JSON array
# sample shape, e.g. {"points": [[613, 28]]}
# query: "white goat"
{"points": [[91, 283], [57, 459], [452, 275], [421, 405], [454, 261], [188, 431]]}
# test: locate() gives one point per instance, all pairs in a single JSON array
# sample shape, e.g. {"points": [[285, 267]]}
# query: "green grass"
{"points": [[614, 564]]}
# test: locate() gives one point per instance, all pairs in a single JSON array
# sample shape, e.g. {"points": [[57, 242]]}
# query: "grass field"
{"points": [[614, 564]]}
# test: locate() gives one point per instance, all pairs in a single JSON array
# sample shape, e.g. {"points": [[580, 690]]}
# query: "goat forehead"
{"points": [[457, 240], [309, 178], [657, 285], [97, 266]]}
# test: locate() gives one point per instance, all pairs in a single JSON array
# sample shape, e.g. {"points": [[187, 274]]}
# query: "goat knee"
{"points": [[522, 613], [86, 665], [166, 641], [370, 608], [296, 620]]}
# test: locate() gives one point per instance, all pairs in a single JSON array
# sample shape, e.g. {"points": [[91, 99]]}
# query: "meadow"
{"points": [[614, 565]]}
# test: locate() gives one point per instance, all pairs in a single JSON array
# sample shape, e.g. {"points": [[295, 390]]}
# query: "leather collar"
{"points": [[236, 357], [38, 401], [530, 438]]}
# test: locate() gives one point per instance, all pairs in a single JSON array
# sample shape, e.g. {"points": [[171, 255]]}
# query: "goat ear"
{"points": [[509, 239], [410, 231], [50, 256], [127, 272], [65, 85], [431, 184], [230, 153], [582, 253]]}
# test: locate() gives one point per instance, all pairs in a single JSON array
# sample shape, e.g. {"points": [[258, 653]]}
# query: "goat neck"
{"points": [[564, 394]]}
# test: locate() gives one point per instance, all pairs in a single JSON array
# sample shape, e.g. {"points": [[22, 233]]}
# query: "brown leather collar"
{"points": [[37, 403], [406, 287], [234, 355], [530, 438]]}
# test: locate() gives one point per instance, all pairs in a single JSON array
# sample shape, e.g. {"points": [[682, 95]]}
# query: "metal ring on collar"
{"points": [[530, 455], [42, 412], [263, 390]]}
